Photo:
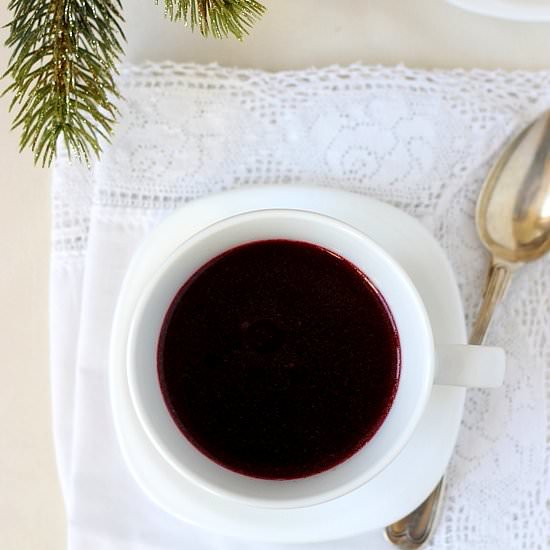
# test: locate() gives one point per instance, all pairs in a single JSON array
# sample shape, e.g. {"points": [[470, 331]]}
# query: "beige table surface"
{"points": [[422, 33]]}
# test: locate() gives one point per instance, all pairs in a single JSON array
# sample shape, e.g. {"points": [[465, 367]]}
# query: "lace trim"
{"points": [[480, 95]]}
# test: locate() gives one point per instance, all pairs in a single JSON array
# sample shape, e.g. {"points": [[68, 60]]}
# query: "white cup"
{"points": [[421, 365]]}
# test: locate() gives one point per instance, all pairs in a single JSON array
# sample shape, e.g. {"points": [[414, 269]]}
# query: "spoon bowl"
{"points": [[513, 210]]}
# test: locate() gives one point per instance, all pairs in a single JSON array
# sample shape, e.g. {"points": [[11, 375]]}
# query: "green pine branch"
{"points": [[63, 65], [63, 62], [219, 18]]}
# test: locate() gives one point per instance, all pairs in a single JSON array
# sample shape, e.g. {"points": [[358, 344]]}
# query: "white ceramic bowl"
{"points": [[417, 357]]}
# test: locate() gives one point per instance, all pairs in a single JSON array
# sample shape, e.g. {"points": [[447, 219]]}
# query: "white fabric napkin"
{"points": [[421, 140]]}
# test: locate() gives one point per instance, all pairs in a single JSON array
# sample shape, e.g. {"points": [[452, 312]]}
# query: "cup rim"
{"points": [[322, 496]]}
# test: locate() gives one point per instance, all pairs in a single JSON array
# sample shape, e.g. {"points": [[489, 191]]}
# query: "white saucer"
{"points": [[532, 11], [397, 489]]}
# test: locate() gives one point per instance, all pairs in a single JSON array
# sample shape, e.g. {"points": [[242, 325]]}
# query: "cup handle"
{"points": [[470, 366]]}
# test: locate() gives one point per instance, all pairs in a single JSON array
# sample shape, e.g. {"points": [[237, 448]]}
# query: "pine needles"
{"points": [[217, 17], [63, 65]]}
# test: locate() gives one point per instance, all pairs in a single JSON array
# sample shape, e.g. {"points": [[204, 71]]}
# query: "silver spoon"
{"points": [[513, 222]]}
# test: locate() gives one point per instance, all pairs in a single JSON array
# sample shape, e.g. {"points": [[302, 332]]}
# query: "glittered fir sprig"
{"points": [[64, 59], [218, 18]]}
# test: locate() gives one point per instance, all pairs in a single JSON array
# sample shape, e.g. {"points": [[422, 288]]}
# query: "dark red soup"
{"points": [[278, 359]]}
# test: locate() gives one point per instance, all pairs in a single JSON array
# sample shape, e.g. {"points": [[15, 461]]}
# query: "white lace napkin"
{"points": [[422, 141]]}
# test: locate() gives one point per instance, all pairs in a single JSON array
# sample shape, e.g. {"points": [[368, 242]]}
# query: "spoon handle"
{"points": [[498, 280], [414, 530]]}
